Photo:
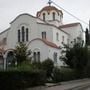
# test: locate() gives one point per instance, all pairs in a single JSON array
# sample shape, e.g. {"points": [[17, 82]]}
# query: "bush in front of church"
{"points": [[48, 65], [19, 80]]}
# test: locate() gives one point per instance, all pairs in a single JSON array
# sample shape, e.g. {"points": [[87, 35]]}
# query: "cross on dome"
{"points": [[49, 2]]}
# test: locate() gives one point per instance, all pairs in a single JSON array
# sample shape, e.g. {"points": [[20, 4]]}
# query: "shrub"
{"points": [[68, 74], [57, 75], [48, 66], [36, 65], [16, 80]]}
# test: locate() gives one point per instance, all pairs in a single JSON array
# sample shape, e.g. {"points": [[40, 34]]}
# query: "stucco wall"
{"points": [[61, 34], [23, 20], [45, 51], [75, 31]]}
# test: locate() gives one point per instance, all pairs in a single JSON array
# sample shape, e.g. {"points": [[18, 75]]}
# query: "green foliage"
{"points": [[68, 74], [37, 65], [48, 66], [25, 66], [57, 75], [19, 80], [21, 52], [76, 57]]}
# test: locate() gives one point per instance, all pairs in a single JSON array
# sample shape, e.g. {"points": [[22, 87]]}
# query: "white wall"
{"points": [[45, 51], [61, 33], [75, 31], [47, 29], [3, 35], [38, 44], [22, 20]]}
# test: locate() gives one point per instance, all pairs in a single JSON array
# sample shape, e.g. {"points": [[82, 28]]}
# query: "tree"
{"points": [[76, 57], [87, 36], [48, 66], [21, 52]]}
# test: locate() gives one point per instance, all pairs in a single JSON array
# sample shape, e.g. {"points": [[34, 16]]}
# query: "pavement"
{"points": [[81, 84], [70, 85]]}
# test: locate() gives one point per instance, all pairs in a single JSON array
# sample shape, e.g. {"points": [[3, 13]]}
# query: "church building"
{"points": [[44, 35]]}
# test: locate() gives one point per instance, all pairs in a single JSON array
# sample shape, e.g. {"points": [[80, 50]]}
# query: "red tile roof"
{"points": [[46, 42], [48, 9], [69, 25]]}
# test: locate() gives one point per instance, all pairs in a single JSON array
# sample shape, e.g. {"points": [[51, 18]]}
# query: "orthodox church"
{"points": [[44, 35]]}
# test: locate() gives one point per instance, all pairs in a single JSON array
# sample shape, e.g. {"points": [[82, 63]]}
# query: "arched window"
{"points": [[53, 15], [26, 34], [44, 16], [57, 36], [23, 34], [18, 35]]}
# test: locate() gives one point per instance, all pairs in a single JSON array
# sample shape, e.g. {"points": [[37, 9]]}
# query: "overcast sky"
{"points": [[9, 9]]}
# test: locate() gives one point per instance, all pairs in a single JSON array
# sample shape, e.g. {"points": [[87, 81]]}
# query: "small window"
{"points": [[4, 41], [34, 56], [43, 35], [26, 34], [23, 34], [53, 15], [55, 57], [43, 16], [18, 35], [62, 38], [60, 17], [57, 36], [38, 56], [68, 41], [74, 40]]}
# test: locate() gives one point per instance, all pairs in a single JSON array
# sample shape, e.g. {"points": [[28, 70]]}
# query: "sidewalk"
{"points": [[70, 85]]}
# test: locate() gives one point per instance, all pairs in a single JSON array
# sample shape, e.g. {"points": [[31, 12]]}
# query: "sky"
{"points": [[10, 9]]}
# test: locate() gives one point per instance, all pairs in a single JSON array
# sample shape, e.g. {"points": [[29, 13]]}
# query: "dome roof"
{"points": [[49, 8]]}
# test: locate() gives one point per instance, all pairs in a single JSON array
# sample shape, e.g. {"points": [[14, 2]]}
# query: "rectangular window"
{"points": [[57, 36], [18, 35], [34, 56], [43, 35], [43, 16], [55, 57], [62, 38], [4, 41], [26, 34], [68, 41], [38, 55]]}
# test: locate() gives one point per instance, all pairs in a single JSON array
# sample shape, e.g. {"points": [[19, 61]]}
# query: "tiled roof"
{"points": [[69, 25], [46, 42], [48, 9]]}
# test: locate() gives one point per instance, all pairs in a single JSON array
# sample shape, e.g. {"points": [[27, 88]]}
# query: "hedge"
{"points": [[16, 80], [65, 74]]}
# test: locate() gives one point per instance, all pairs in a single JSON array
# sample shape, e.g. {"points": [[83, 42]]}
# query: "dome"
{"points": [[48, 9], [51, 15]]}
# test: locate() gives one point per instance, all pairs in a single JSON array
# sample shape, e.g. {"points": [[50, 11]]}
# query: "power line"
{"points": [[70, 13]]}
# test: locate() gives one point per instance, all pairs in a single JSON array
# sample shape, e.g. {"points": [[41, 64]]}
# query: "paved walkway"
{"points": [[71, 85]]}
